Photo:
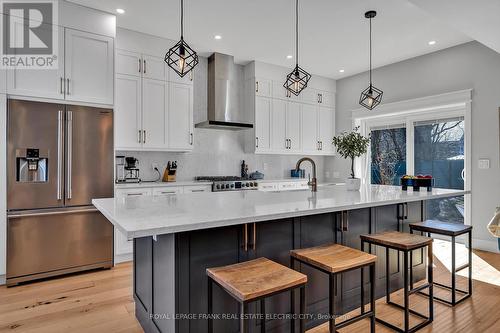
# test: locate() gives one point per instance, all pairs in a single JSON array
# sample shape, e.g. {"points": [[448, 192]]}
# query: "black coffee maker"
{"points": [[131, 170]]}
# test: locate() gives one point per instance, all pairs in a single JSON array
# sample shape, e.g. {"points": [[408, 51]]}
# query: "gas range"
{"points": [[229, 183]]}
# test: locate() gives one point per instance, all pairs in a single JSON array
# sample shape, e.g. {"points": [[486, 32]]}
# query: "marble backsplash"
{"points": [[219, 153]]}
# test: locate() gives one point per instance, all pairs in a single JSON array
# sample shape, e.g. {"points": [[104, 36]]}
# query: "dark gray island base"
{"points": [[170, 284]]}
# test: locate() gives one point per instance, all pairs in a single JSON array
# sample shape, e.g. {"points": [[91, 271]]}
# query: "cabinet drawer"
{"points": [[168, 190], [268, 187], [122, 244], [195, 189], [132, 192]]}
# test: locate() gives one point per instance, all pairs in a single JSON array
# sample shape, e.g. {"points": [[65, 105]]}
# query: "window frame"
{"points": [[449, 105]]}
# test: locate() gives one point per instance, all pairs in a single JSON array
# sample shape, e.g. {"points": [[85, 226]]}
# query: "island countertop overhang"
{"points": [[157, 215]]}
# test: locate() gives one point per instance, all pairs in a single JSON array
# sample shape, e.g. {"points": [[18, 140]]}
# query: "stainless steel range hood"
{"points": [[225, 105]]}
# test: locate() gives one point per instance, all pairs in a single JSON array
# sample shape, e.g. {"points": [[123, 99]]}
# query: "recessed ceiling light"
{"points": [[120, 11], [289, 56], [341, 71], [432, 42], [218, 37]]}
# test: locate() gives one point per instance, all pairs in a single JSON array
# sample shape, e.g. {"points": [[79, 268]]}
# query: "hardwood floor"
{"points": [[101, 301]]}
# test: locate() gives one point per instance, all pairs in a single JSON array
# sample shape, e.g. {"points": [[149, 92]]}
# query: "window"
{"points": [[388, 154]]}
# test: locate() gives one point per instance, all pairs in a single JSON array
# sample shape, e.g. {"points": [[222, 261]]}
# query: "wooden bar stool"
{"points": [[452, 230], [333, 260], [406, 243], [255, 280]]}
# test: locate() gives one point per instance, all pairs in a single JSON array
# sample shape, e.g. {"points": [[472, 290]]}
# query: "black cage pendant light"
{"points": [[371, 96], [181, 57], [297, 80]]}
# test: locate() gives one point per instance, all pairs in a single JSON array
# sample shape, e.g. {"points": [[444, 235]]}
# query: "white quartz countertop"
{"points": [[155, 215]]}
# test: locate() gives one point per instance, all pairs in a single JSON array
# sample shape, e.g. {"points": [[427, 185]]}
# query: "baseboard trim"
{"points": [[119, 258], [485, 245]]}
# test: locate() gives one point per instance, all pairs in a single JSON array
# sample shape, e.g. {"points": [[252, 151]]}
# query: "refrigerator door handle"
{"points": [[60, 119], [69, 155]]}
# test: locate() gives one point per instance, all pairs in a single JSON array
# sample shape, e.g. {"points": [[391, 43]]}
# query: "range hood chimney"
{"points": [[225, 110]]}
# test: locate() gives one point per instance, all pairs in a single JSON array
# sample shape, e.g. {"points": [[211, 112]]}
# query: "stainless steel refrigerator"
{"points": [[59, 157]]}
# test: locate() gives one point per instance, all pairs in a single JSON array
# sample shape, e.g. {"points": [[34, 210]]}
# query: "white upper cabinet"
{"points": [[128, 115], [293, 127], [129, 63], [263, 88], [180, 117], [279, 140], [262, 124], [310, 141], [154, 104], [41, 83], [326, 129], [310, 96], [174, 77], [154, 68], [327, 99], [89, 67]]}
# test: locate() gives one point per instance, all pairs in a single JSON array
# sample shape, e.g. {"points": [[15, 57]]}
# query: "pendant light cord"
{"points": [[370, 51], [297, 32], [182, 19]]}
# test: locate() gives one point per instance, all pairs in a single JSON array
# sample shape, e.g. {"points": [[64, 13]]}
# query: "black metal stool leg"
{"points": [[362, 284], [209, 311], [263, 314], [372, 298], [411, 264], [302, 320], [292, 299], [332, 303], [453, 272], [387, 276], [243, 319], [406, 292], [470, 263], [430, 280]]}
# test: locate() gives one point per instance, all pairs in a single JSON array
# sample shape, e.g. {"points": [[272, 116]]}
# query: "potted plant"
{"points": [[351, 145]]}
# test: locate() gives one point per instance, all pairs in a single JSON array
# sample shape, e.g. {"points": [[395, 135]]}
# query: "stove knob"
{"points": [[218, 186], [251, 184], [232, 185], [246, 184], [227, 185], [255, 184]]}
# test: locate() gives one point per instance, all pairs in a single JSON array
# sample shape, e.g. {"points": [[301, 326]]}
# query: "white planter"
{"points": [[353, 184]]}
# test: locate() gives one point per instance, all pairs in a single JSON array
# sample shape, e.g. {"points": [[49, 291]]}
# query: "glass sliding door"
{"points": [[439, 151], [388, 154]]}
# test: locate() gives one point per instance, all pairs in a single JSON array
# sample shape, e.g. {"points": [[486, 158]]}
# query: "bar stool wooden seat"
{"points": [[252, 281], [334, 259], [452, 230], [404, 242]]}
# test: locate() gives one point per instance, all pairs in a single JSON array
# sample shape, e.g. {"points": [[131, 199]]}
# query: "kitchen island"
{"points": [[177, 237]]}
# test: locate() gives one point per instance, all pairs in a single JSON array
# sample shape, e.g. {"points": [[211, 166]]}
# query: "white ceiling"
{"points": [[334, 33]]}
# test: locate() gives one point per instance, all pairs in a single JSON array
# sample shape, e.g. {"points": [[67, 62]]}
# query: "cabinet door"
{"points": [[129, 63], [128, 105], [310, 128], [154, 109], [89, 67], [279, 92], [180, 117], [122, 244], [263, 87], [154, 68], [327, 99], [262, 123], [309, 96], [357, 222], [326, 126], [42, 83], [174, 77], [293, 128], [197, 251], [278, 125], [273, 240]]}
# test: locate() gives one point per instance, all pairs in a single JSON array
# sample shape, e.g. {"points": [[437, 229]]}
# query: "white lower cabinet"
{"points": [[123, 246]]}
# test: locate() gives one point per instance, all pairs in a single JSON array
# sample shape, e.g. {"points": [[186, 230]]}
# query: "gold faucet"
{"points": [[313, 182]]}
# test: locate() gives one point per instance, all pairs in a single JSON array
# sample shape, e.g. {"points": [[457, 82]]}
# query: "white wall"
{"points": [[465, 66]]}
